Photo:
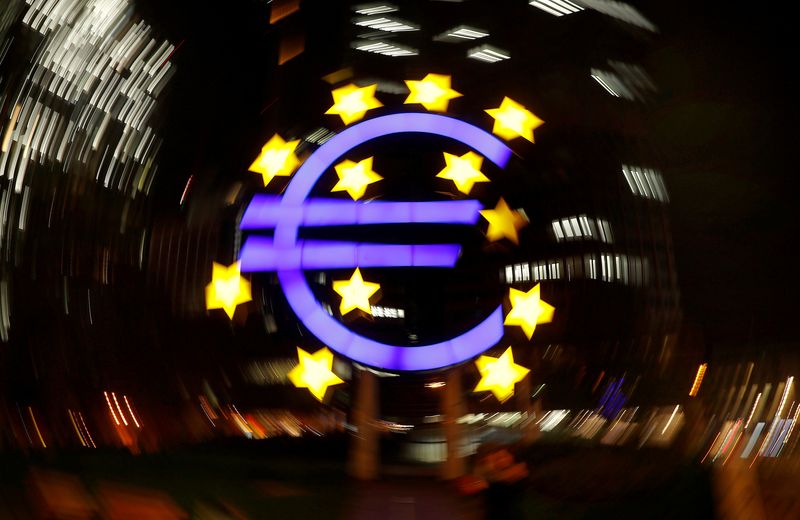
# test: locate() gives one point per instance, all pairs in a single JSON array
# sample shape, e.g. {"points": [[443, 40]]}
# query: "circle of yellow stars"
{"points": [[228, 288]]}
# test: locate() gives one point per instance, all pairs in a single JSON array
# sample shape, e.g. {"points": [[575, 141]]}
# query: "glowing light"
{"points": [[528, 310], [130, 410], [85, 429], [77, 430], [499, 375], [755, 404], [314, 372], [512, 120], [355, 293], [227, 289], [293, 280], [671, 417], [261, 254], [464, 171], [433, 92], [355, 177], [503, 222], [698, 380], [111, 408], [121, 415], [277, 159], [267, 211], [351, 102], [36, 427]]}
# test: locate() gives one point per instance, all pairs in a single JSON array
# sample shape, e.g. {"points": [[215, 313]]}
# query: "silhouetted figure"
{"points": [[503, 483]]}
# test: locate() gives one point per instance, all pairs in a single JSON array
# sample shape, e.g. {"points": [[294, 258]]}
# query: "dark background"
{"points": [[728, 129]]}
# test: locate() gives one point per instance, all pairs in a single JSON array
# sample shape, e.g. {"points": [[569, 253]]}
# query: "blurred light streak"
{"points": [[753, 438], [698, 379], [556, 7], [130, 410], [552, 419], [24, 426], [729, 439], [86, 430], [36, 427], [621, 11], [375, 8], [671, 417], [111, 408], [711, 447], [791, 427], [122, 415], [207, 411], [186, 189], [488, 54], [755, 404], [11, 125], [290, 47], [385, 23], [645, 182], [280, 9], [77, 430]]}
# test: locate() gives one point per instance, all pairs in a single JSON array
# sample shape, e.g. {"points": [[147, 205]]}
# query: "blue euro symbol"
{"points": [[289, 256]]}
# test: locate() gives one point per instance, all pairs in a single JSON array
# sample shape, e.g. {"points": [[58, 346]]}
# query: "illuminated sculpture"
{"points": [[277, 159], [499, 375], [528, 310], [433, 92], [289, 255], [355, 177], [503, 222], [512, 119], [355, 293], [464, 171], [352, 102], [314, 372], [227, 289]]}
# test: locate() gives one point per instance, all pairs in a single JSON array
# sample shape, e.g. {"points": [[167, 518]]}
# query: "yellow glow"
{"points": [[464, 171], [528, 310], [277, 159], [355, 293], [227, 289], [512, 119], [314, 372], [503, 222], [698, 379], [351, 102], [499, 375], [355, 177], [36, 426], [433, 92]]}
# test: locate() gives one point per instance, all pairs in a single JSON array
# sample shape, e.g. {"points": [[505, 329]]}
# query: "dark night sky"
{"points": [[725, 127]]}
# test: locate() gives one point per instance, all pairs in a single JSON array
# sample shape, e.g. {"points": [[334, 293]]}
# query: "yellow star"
{"points": [[277, 159], [354, 177], [314, 372], [512, 119], [499, 375], [351, 102], [433, 92], [503, 222], [464, 171], [227, 289], [355, 293], [527, 310]]}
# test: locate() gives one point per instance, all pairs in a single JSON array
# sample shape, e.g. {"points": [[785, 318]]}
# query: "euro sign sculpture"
{"points": [[289, 256]]}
